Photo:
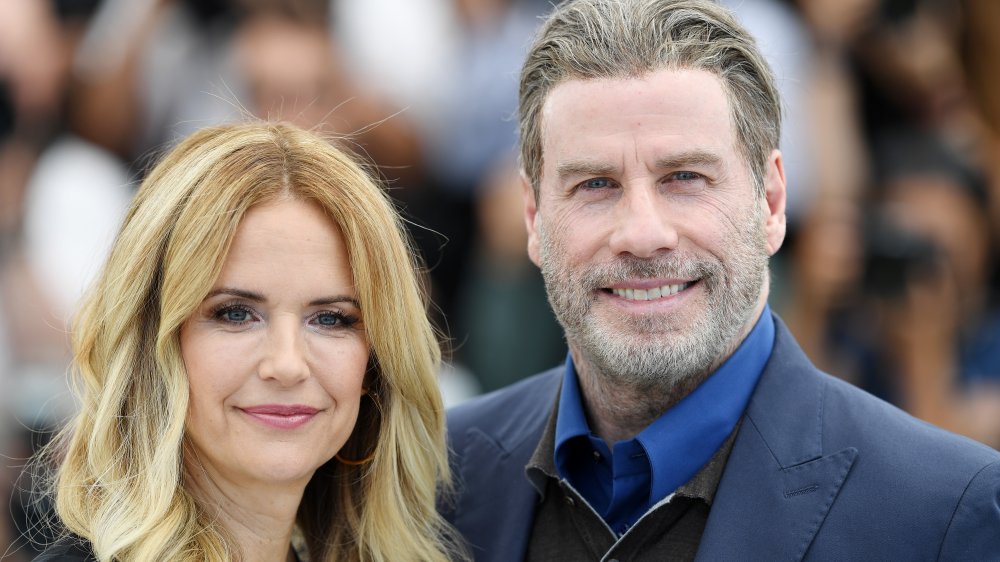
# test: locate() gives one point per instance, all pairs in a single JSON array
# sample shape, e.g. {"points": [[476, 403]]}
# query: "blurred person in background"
{"points": [[182, 64], [61, 197], [897, 297], [901, 63], [938, 321], [256, 369], [979, 48], [503, 315], [453, 67]]}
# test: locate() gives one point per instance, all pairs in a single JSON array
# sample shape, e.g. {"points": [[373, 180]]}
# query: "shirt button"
{"points": [[570, 502], [597, 456]]}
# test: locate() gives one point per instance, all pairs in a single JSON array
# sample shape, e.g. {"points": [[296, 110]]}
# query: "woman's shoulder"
{"points": [[67, 549]]}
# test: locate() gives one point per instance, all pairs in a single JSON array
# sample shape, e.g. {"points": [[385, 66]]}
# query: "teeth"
{"points": [[650, 294]]}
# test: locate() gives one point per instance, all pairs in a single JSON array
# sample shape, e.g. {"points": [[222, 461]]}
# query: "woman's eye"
{"points": [[329, 319], [333, 319], [234, 315], [596, 183]]}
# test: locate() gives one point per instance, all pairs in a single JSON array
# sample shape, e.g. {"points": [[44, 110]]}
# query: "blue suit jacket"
{"points": [[820, 470]]}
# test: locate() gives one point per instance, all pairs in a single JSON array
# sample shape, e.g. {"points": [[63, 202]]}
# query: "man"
{"points": [[686, 423]]}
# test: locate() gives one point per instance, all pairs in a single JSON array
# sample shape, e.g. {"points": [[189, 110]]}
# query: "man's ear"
{"points": [[774, 195], [530, 215]]}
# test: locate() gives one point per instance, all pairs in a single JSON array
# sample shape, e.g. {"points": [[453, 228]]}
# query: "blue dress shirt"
{"points": [[623, 483]]}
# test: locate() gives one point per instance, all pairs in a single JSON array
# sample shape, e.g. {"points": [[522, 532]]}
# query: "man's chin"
{"points": [[646, 330], [645, 358]]}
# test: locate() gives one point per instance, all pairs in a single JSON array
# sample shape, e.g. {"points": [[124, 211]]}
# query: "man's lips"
{"points": [[648, 290], [282, 416]]}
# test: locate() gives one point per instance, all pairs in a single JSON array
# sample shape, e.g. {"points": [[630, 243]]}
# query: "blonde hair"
{"points": [[587, 39], [121, 481]]}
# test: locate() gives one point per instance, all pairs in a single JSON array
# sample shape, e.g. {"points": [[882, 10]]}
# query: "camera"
{"points": [[6, 111], [895, 256]]}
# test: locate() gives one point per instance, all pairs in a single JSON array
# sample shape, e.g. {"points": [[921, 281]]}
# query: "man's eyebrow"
{"points": [[694, 157], [577, 168]]}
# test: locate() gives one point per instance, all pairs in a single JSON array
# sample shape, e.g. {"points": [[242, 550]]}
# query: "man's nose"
{"points": [[284, 357], [643, 224]]}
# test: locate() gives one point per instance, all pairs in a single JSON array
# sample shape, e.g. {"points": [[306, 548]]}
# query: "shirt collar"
{"points": [[686, 436]]}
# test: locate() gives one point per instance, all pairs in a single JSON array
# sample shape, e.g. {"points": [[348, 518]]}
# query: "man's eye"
{"points": [[685, 176], [596, 183]]}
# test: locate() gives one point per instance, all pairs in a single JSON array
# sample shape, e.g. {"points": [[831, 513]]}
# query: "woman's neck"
{"points": [[258, 517]]}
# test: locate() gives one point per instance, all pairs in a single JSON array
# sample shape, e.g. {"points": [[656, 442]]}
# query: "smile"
{"points": [[281, 416], [650, 294]]}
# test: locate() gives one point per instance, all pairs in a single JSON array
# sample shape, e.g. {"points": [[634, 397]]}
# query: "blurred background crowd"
{"points": [[889, 277]]}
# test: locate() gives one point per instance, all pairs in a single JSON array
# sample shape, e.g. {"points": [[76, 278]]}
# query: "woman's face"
{"points": [[276, 353]]}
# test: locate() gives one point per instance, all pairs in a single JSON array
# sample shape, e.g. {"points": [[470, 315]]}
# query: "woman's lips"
{"points": [[281, 416]]}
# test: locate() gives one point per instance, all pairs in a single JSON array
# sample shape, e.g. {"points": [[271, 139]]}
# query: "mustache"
{"points": [[629, 267]]}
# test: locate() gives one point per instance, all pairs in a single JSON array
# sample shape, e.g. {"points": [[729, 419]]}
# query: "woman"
{"points": [[255, 364]]}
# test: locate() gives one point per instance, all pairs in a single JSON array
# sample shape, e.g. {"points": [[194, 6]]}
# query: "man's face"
{"points": [[651, 240]]}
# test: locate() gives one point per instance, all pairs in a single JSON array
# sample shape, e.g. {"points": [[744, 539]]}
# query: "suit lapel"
{"points": [[496, 521], [778, 485]]}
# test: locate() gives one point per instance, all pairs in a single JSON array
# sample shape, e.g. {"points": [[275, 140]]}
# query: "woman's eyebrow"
{"points": [[335, 300], [249, 295], [257, 297]]}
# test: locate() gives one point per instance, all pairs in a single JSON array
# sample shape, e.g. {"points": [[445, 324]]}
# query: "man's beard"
{"points": [[661, 350]]}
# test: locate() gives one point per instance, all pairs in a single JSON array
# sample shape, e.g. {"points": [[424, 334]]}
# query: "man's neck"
{"points": [[618, 412]]}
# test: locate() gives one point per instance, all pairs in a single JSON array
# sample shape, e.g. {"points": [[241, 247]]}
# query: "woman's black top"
{"points": [[67, 549]]}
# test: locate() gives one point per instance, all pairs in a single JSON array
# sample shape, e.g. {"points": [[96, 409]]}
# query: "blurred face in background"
{"points": [[291, 69], [940, 210], [276, 354]]}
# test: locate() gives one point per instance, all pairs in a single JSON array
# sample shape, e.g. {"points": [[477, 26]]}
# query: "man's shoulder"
{"points": [[854, 415], [899, 487], [515, 410], [801, 412], [911, 478]]}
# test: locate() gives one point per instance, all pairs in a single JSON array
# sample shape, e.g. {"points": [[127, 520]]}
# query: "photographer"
{"points": [[941, 327], [894, 295]]}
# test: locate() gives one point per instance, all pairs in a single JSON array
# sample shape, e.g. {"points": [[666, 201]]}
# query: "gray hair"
{"points": [[587, 39]]}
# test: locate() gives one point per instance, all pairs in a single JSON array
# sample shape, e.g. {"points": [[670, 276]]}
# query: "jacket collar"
{"points": [[496, 519], [778, 466]]}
